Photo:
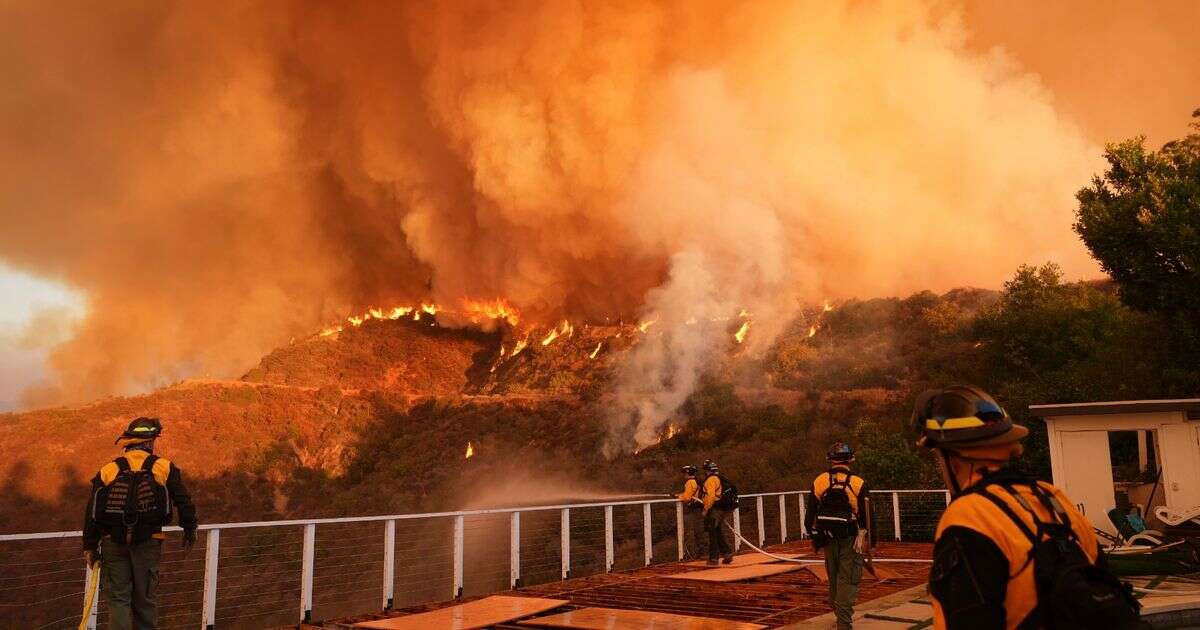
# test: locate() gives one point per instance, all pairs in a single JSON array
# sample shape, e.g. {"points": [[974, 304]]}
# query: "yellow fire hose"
{"points": [[89, 599]]}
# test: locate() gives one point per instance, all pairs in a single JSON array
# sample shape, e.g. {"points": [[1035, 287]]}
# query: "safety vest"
{"points": [[977, 513]]}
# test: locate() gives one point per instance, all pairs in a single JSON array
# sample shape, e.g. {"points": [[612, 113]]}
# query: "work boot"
{"points": [[712, 562], [728, 559]]}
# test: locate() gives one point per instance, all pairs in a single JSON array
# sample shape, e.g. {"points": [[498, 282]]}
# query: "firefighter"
{"points": [[693, 513], [838, 522], [132, 498], [988, 572], [716, 514]]}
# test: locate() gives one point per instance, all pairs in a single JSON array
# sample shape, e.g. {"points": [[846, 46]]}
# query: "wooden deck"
{"points": [[771, 601]]}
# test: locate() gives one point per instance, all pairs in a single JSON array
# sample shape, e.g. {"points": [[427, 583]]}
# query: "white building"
{"points": [[1168, 452]]}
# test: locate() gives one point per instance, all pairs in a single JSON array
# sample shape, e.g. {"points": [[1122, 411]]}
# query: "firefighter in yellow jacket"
{"points": [[693, 513], [837, 519], [1009, 551], [133, 498], [716, 515]]}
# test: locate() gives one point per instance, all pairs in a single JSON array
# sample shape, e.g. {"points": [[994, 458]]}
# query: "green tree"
{"points": [[1141, 220]]}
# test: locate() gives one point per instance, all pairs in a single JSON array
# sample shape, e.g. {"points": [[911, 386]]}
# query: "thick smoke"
{"points": [[219, 177]]}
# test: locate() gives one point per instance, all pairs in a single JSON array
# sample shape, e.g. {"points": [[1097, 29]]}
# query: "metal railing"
{"points": [[279, 572]]}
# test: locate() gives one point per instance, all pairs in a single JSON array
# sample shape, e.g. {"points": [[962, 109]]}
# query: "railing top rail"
{"points": [[392, 517]]}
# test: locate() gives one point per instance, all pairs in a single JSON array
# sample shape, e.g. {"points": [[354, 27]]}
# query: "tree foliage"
{"points": [[1141, 220]]}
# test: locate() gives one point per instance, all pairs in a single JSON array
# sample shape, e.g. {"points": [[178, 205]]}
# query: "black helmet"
{"points": [[689, 469], [709, 465], [962, 415], [141, 429], [840, 452]]}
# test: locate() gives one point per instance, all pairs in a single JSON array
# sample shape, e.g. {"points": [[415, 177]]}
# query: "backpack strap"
{"points": [[122, 464], [1008, 511], [148, 464]]}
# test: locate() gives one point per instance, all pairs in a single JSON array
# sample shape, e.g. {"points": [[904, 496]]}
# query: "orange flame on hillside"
{"points": [[812, 331], [740, 335], [492, 309], [645, 325], [596, 351], [519, 347], [826, 306], [555, 333], [470, 451]]}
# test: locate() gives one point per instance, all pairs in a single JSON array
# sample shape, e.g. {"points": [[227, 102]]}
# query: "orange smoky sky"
{"points": [[219, 177]]}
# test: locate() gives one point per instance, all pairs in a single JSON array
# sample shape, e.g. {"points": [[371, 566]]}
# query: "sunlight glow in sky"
{"points": [[22, 298]]}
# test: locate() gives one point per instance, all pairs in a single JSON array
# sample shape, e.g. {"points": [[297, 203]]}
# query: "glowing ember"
{"points": [[740, 335], [470, 451], [812, 330], [826, 306], [596, 351], [645, 325]]}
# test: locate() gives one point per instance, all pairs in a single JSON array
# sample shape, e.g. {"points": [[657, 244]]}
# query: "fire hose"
{"points": [[89, 600], [802, 561]]}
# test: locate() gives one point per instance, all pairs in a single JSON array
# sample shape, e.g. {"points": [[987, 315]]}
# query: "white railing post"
{"points": [[608, 538], [389, 563], [566, 542], [92, 611], [458, 556], [782, 520], [803, 526], [679, 528], [306, 572], [896, 513], [647, 536], [737, 529], [947, 498], [514, 550], [208, 606], [758, 512]]}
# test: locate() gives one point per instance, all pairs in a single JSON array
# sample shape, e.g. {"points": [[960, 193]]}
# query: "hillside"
{"points": [[377, 417]]}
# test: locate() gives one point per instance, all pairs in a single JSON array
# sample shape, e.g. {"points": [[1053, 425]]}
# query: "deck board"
{"points": [[737, 574], [607, 618], [481, 613]]}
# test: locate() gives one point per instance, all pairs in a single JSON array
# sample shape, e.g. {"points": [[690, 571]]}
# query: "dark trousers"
{"points": [[844, 566], [714, 524], [129, 578], [693, 527]]}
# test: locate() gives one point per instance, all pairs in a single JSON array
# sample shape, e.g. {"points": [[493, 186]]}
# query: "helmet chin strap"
{"points": [[943, 460]]}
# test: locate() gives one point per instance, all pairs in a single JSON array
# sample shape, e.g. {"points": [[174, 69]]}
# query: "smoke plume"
{"points": [[219, 177]]}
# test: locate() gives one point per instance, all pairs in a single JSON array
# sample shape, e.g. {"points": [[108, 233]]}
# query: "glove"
{"points": [[860, 541], [91, 557], [189, 539]]}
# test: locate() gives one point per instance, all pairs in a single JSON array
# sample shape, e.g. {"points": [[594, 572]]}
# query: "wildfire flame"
{"points": [[555, 333], [492, 309], [519, 347], [596, 351], [672, 431], [826, 306], [740, 335], [470, 451], [645, 325], [812, 330]]}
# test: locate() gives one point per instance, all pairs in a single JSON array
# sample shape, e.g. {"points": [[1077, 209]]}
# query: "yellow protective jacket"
{"points": [[690, 488], [981, 577], [856, 491], [165, 474], [712, 491]]}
